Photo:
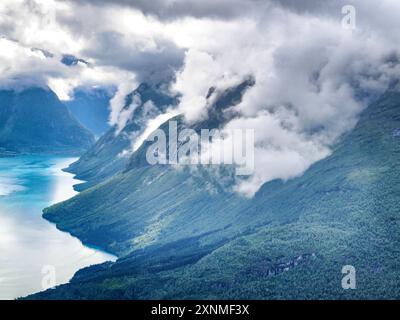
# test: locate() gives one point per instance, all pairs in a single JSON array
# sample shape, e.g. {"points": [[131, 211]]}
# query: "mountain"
{"points": [[91, 108], [180, 236], [71, 60], [143, 203], [34, 120], [105, 158]]}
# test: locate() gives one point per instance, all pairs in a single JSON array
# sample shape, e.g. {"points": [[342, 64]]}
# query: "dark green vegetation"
{"points": [[35, 121], [184, 235]]}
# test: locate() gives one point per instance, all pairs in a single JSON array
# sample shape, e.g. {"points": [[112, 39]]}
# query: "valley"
{"points": [[183, 235]]}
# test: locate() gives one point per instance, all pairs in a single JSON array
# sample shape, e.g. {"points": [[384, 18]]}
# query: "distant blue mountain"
{"points": [[91, 108], [34, 120]]}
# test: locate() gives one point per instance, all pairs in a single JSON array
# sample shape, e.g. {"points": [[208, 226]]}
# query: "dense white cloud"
{"points": [[119, 44], [120, 112], [171, 9], [313, 77]]}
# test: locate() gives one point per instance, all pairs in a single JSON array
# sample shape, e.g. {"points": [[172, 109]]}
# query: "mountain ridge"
{"points": [[34, 120], [289, 242]]}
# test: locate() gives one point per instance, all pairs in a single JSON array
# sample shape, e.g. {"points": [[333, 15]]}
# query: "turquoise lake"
{"points": [[34, 255]]}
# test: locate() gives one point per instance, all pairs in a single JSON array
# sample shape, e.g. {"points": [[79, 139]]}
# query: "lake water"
{"points": [[33, 253]]}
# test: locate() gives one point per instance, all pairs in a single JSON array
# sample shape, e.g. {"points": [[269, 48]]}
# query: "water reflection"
{"points": [[27, 242]]}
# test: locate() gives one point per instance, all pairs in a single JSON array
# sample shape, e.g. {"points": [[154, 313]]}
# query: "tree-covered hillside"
{"points": [[35, 121], [180, 237]]}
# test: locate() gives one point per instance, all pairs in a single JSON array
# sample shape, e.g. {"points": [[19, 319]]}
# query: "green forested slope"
{"points": [[290, 241], [34, 120]]}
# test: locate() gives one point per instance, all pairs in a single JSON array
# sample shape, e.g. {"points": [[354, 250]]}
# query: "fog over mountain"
{"points": [[313, 75], [317, 81]]}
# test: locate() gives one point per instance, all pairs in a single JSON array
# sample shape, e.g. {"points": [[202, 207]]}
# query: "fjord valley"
{"points": [[181, 234], [199, 150], [39, 137]]}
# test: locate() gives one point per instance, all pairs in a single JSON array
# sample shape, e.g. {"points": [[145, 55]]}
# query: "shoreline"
{"points": [[84, 243], [91, 254]]}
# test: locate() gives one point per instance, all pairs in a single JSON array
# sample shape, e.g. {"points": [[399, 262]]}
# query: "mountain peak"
{"points": [[35, 120]]}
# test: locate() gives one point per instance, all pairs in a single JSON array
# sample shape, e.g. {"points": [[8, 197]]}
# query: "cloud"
{"points": [[313, 6], [171, 9], [21, 66], [118, 115], [313, 77], [124, 45], [154, 62]]}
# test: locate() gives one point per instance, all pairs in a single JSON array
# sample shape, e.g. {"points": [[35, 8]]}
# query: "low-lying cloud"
{"points": [[312, 77]]}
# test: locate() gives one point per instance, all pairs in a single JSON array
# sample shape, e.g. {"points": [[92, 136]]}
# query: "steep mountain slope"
{"points": [[144, 204], [105, 158], [290, 241], [91, 108], [34, 120]]}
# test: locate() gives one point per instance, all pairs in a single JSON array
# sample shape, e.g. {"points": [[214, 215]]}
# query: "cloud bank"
{"points": [[312, 76], [173, 9]]}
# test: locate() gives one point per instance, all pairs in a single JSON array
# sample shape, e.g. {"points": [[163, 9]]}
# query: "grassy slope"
{"points": [[344, 210]]}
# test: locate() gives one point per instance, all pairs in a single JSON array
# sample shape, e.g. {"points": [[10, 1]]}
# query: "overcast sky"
{"points": [[310, 70]]}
